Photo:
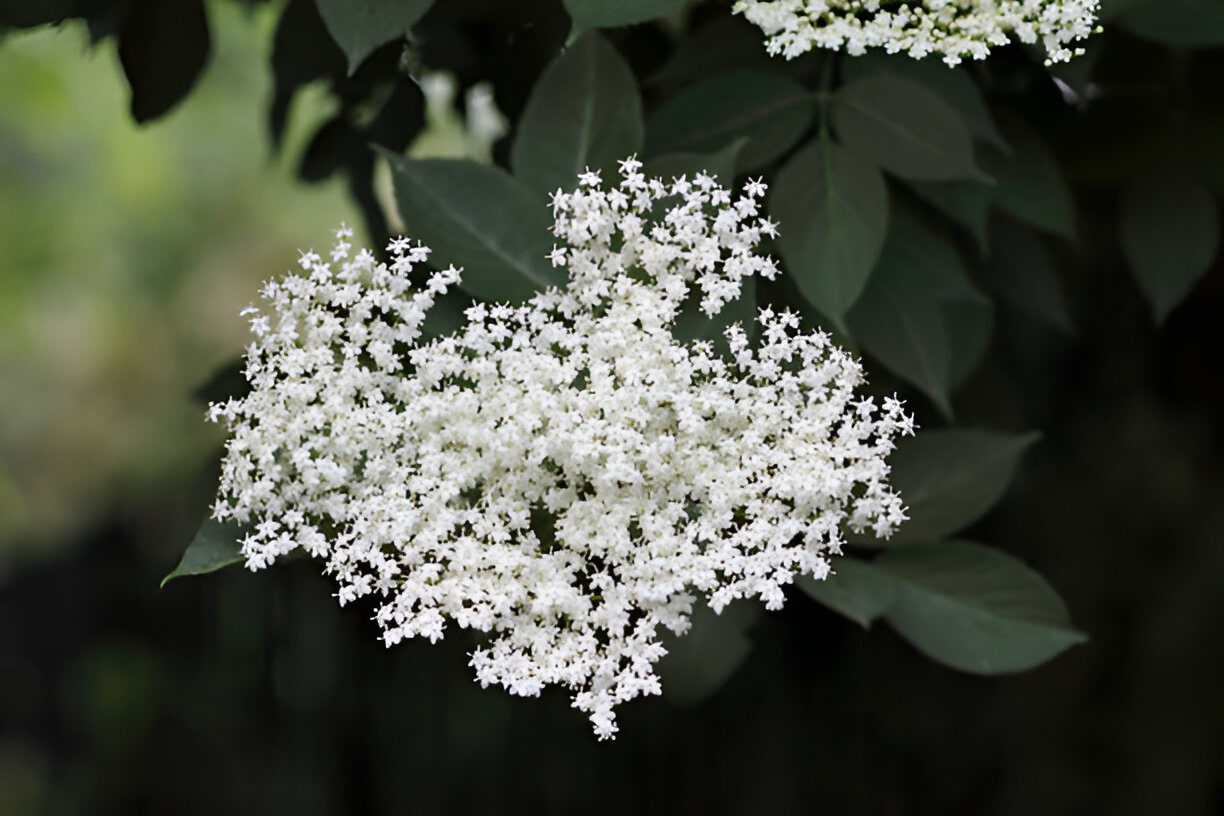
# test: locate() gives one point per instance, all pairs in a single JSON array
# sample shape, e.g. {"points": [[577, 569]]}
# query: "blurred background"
{"points": [[126, 254]]}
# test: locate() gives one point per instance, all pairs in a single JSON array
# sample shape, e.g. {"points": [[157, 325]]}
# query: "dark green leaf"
{"points": [[956, 87], [302, 52], [770, 108], [360, 26], [832, 209], [163, 48], [904, 128], [1170, 231], [584, 112], [970, 322], [902, 325], [965, 202], [1021, 271], [855, 589], [949, 478], [975, 609], [694, 324], [1178, 23], [1030, 182], [699, 662], [918, 302], [613, 13], [720, 165], [216, 545], [480, 218]]}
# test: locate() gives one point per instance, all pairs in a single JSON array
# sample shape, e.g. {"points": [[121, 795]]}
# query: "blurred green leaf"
{"points": [[965, 202], [949, 478], [584, 112], [975, 609], [1170, 233], [904, 128], [855, 589], [720, 165], [163, 48], [1030, 183], [614, 13], [1177, 23], [216, 545], [771, 109], [480, 218], [956, 87], [360, 26], [700, 661], [832, 209], [1020, 269], [970, 322], [694, 324]]}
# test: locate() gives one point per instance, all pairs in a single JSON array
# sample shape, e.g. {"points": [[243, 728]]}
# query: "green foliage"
{"points": [[1170, 232], [360, 26], [1178, 23], [584, 113], [921, 315], [603, 14], [697, 664], [770, 108], [834, 210], [964, 605], [480, 218], [163, 48], [904, 128], [951, 477], [216, 545]]}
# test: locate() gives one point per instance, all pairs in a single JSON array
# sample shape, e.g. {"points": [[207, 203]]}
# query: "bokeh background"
{"points": [[126, 254]]}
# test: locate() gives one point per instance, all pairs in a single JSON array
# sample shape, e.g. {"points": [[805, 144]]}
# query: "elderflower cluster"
{"points": [[564, 475], [956, 29]]}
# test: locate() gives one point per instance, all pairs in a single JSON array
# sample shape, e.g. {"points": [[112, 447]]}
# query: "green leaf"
{"points": [[360, 26], [904, 128], [956, 87], [917, 303], [832, 209], [949, 478], [1021, 271], [694, 324], [480, 218], [584, 112], [1170, 231], [855, 589], [700, 661], [163, 48], [970, 322], [770, 108], [975, 609], [216, 545], [720, 165], [1177, 23], [614, 13], [965, 202], [1030, 183]]}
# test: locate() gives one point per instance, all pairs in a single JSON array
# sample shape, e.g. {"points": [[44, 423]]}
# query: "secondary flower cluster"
{"points": [[564, 475], [957, 29]]}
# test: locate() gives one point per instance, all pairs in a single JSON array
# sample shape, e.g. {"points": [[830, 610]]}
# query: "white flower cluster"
{"points": [[563, 475], [957, 29]]}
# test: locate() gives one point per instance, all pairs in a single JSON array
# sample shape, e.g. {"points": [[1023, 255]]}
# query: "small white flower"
{"points": [[956, 29], [565, 475]]}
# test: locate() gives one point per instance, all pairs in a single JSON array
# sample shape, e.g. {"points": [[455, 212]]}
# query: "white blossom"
{"points": [[564, 475], [955, 29]]}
